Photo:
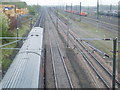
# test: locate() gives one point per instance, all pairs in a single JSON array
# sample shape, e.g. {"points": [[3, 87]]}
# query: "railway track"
{"points": [[96, 60], [40, 20], [95, 23], [61, 76], [83, 50], [101, 24], [89, 62]]}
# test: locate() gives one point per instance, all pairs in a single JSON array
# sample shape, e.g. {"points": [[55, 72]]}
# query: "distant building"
{"points": [[12, 10], [9, 10]]}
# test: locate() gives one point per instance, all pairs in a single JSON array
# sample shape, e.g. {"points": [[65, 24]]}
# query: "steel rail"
{"points": [[90, 63], [53, 65], [65, 67], [91, 39], [63, 61], [103, 22], [41, 20], [104, 25], [110, 74], [94, 56], [54, 70], [36, 21]]}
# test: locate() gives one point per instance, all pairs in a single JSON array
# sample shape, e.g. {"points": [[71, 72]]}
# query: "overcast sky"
{"points": [[75, 2]]}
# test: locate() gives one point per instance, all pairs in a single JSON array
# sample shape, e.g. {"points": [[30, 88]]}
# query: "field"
{"points": [[86, 30]]}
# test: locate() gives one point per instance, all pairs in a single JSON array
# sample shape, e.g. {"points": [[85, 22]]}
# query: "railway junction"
{"points": [[59, 53]]}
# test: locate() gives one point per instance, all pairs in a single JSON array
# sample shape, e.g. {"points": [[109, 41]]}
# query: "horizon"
{"points": [[68, 2], [92, 3]]}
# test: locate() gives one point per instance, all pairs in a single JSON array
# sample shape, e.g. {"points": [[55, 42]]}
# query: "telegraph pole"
{"points": [[71, 7], [66, 7], [118, 61], [97, 14], [31, 24], [17, 28], [68, 28], [88, 9], [111, 7], [71, 10], [114, 63], [97, 9], [80, 11], [57, 18]]}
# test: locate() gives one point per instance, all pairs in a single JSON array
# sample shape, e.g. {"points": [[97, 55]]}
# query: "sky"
{"points": [[75, 2]]}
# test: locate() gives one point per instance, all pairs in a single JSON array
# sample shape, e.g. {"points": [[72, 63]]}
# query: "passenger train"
{"points": [[27, 69]]}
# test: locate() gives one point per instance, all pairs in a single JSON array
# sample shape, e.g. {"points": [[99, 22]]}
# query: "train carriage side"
{"points": [[25, 70]]}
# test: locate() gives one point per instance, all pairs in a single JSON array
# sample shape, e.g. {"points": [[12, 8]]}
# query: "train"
{"points": [[27, 68], [77, 12], [115, 13]]}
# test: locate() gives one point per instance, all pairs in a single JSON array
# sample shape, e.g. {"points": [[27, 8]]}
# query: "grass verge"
{"points": [[8, 54]]}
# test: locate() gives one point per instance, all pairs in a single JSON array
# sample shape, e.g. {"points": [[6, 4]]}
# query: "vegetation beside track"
{"points": [[86, 30], [8, 55], [32, 9]]}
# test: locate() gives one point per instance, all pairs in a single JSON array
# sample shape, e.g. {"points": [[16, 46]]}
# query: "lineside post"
{"points": [[114, 63], [71, 10], [68, 36], [97, 14], [66, 7], [80, 11], [97, 9], [31, 24], [57, 18], [17, 28]]}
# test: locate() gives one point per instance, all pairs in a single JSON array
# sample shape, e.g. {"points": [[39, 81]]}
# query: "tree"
{"points": [[4, 24]]}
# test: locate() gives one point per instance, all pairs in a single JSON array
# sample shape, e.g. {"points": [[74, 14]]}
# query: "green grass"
{"points": [[5, 56], [85, 30], [25, 27], [62, 15], [93, 32]]}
